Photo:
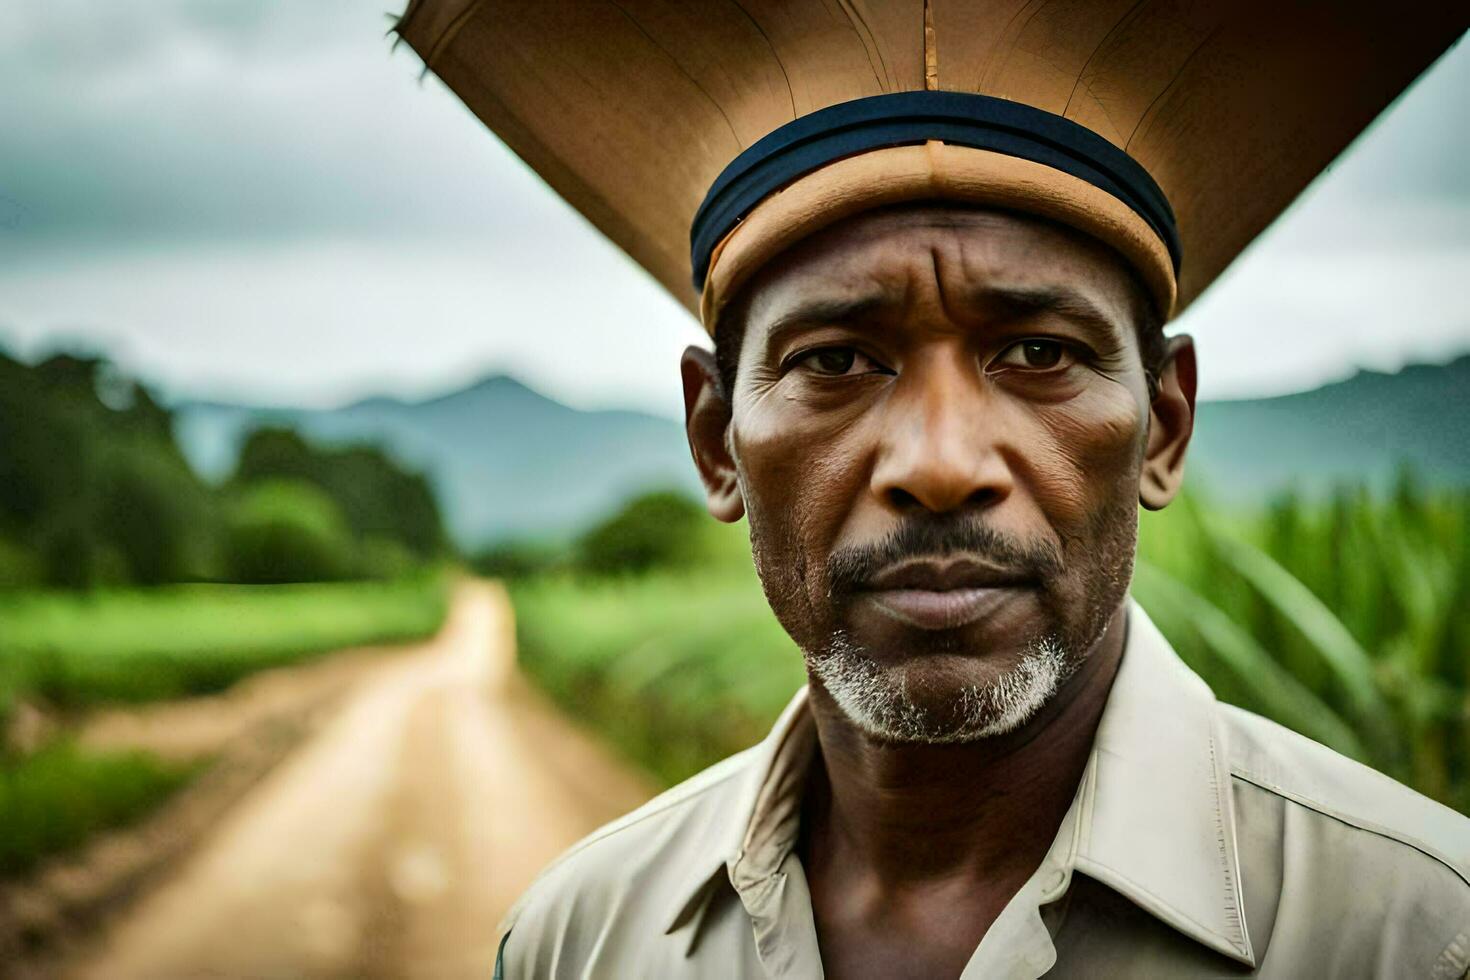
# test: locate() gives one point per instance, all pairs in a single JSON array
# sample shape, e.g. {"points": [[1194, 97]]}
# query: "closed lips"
{"points": [[943, 576], [932, 595]]}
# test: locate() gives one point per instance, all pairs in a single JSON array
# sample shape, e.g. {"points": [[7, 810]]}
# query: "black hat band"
{"points": [[906, 118]]}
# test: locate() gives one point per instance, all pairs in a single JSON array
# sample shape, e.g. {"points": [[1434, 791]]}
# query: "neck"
{"points": [[987, 809]]}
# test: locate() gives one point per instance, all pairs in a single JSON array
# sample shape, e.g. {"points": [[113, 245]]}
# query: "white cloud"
{"points": [[1286, 320], [322, 322], [255, 198]]}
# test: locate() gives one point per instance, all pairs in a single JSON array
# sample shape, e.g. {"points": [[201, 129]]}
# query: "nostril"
{"points": [[983, 497], [902, 500]]}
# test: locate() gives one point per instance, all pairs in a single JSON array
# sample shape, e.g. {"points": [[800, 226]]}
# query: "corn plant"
{"points": [[1347, 619]]}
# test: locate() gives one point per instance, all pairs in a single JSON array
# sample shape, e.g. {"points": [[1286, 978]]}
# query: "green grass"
{"points": [[676, 670], [57, 798], [1346, 619], [71, 650]]}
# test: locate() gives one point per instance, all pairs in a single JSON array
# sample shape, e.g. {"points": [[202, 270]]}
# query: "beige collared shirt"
{"points": [[1203, 841]]}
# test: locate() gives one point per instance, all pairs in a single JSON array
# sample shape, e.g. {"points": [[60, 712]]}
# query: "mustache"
{"points": [[938, 537]]}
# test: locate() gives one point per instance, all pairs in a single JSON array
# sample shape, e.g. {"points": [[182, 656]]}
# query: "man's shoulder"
{"points": [[1344, 806], [634, 861]]}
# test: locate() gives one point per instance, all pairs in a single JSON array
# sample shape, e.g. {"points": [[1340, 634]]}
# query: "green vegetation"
{"points": [[654, 530], [58, 797], [677, 666], [286, 531], [660, 529], [92, 487], [378, 501], [511, 558], [1347, 619], [677, 670], [94, 492], [71, 650], [66, 651], [107, 542]]}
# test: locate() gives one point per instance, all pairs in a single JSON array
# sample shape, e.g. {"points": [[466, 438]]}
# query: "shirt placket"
{"points": [[1018, 945]]}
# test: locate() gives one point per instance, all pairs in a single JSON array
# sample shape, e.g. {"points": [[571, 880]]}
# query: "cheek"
{"points": [[800, 471], [1087, 457]]}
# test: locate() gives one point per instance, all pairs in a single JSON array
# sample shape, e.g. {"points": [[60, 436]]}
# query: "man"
{"points": [[939, 391]]}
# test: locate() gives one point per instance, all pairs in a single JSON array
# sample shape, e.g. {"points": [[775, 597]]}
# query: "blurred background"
{"points": [[351, 561]]}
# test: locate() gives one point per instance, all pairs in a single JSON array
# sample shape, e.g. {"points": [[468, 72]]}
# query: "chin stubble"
{"points": [[876, 698]]}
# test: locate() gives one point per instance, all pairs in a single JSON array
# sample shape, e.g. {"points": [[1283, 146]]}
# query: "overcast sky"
{"points": [[257, 200]]}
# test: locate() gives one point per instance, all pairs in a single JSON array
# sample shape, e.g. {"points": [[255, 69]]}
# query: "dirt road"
{"points": [[394, 839]]}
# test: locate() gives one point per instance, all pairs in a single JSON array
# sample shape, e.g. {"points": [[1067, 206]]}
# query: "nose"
{"points": [[943, 444]]}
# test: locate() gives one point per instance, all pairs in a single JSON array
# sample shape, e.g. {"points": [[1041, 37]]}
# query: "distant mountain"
{"points": [[503, 458], [507, 460], [1361, 429]]}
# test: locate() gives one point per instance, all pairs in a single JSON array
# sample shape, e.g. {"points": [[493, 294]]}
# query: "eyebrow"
{"points": [[1007, 304], [835, 309], [1013, 303], [820, 310]]}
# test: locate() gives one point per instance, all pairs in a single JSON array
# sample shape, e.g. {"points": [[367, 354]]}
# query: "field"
{"points": [[1347, 619], [677, 670], [61, 653], [70, 650]]}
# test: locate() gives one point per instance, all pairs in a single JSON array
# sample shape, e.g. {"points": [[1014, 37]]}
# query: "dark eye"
{"points": [[1035, 353], [834, 362]]}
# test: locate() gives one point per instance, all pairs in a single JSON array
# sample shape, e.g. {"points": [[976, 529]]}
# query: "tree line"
{"points": [[95, 491]]}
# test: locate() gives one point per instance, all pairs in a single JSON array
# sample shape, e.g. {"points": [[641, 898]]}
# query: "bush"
{"points": [[19, 567], [91, 481], [677, 670], [378, 496], [515, 559], [287, 531], [656, 530], [385, 558], [158, 517], [57, 798], [76, 555]]}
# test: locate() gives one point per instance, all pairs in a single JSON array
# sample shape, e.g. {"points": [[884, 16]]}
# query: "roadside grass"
{"points": [[1346, 619], [64, 652], [60, 796], [676, 670], [73, 650]]}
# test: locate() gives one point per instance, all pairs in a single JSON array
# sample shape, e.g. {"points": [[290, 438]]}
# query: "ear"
{"points": [[1170, 424], [707, 422]]}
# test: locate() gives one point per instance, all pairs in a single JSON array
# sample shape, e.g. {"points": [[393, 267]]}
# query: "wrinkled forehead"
{"points": [[962, 262]]}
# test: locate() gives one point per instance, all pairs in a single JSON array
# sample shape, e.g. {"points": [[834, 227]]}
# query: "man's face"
{"points": [[937, 431]]}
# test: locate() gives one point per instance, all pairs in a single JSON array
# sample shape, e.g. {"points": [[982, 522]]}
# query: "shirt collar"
{"points": [[1158, 824], [1155, 820], [765, 802]]}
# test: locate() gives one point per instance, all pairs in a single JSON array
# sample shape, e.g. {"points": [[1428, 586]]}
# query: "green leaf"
{"points": [[1298, 605], [1281, 696]]}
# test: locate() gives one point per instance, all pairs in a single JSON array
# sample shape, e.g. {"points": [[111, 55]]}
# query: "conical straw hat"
{"points": [[633, 110]]}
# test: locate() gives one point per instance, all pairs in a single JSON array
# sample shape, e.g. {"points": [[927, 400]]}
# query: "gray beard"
{"points": [[875, 697]]}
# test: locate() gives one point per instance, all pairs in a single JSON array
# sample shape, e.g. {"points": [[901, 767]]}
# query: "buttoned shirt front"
{"points": [[1202, 841]]}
